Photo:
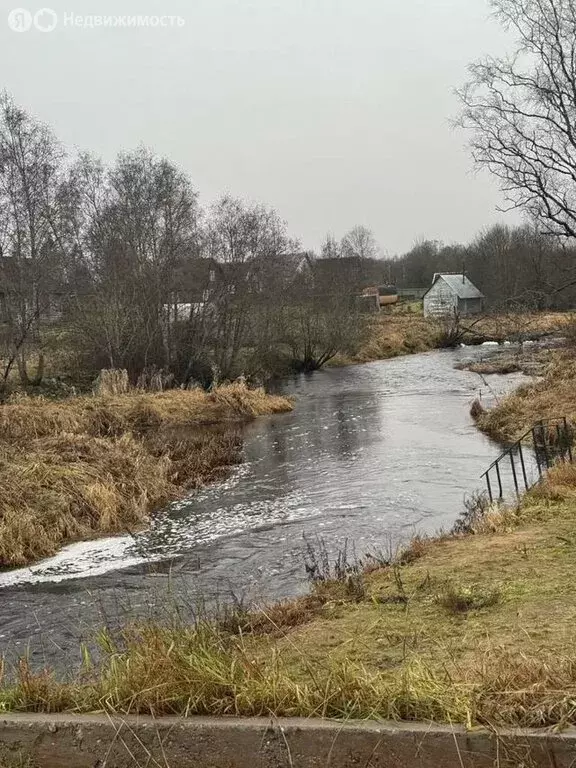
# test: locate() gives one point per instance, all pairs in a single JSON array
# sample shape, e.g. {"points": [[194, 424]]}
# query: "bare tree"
{"points": [[522, 112], [320, 326], [331, 248], [252, 247], [127, 230], [360, 243], [30, 166]]}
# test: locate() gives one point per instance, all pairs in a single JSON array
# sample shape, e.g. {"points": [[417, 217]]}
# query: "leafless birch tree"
{"points": [[521, 110]]}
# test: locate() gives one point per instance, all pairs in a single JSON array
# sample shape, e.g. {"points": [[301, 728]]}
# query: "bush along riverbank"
{"points": [[92, 466], [473, 627]]}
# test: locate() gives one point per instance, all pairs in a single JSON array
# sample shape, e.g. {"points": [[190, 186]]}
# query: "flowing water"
{"points": [[371, 454]]}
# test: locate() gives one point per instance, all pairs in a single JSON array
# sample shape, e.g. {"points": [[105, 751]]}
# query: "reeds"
{"points": [[552, 397], [91, 466], [186, 672]]}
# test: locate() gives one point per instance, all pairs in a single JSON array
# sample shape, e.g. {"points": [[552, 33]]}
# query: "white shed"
{"points": [[450, 294]]}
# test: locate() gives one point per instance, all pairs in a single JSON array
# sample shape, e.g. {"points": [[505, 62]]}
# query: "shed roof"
{"points": [[461, 285]]}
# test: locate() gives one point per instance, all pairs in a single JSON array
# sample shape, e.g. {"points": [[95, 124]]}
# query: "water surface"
{"points": [[371, 454]]}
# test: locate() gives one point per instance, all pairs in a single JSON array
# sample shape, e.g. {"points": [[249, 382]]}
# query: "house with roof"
{"points": [[453, 294], [32, 288]]}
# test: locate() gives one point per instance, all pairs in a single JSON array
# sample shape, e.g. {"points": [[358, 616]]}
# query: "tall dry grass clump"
{"points": [[112, 382], [113, 415], [202, 671], [551, 397], [396, 335], [89, 466]]}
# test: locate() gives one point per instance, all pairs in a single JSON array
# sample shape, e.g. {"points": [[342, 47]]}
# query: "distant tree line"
{"points": [[119, 267], [513, 266]]}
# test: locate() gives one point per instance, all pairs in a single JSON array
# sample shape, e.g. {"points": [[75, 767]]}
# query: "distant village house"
{"points": [[452, 294]]}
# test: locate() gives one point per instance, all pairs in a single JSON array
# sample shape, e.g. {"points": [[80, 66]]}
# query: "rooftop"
{"points": [[461, 285]]}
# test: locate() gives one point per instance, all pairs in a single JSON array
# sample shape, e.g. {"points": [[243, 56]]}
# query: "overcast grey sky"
{"points": [[335, 112]]}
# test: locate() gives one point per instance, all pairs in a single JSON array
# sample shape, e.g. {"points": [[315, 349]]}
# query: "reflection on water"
{"points": [[371, 454]]}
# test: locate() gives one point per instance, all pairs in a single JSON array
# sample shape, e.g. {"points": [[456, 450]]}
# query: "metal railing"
{"points": [[551, 441]]}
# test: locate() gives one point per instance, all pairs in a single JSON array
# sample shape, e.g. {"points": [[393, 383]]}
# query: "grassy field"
{"points": [[89, 466], [476, 628]]}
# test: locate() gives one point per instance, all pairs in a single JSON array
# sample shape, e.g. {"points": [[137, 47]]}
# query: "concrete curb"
{"points": [[67, 741]]}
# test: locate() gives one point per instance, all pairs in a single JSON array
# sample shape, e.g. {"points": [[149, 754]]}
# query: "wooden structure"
{"points": [[452, 294]]}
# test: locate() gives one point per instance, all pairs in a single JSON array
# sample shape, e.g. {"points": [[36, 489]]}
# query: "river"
{"points": [[371, 454]]}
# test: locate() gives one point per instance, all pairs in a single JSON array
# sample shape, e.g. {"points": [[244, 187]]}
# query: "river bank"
{"points": [[552, 396], [91, 466], [372, 454], [404, 332], [475, 627], [465, 629], [471, 627]]}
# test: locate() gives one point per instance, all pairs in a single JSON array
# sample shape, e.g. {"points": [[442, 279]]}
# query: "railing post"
{"points": [[523, 465], [561, 446], [499, 479], [514, 473], [538, 462], [489, 484], [545, 438]]}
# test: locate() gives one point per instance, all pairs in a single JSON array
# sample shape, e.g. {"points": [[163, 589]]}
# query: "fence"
{"points": [[550, 440]]}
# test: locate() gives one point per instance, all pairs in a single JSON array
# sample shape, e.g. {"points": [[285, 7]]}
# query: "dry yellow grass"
{"points": [[552, 397], [392, 335], [504, 326], [408, 332], [469, 629], [90, 466], [26, 417]]}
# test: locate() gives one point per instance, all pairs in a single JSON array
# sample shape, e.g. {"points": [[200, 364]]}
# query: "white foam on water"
{"points": [[80, 560], [85, 559]]}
